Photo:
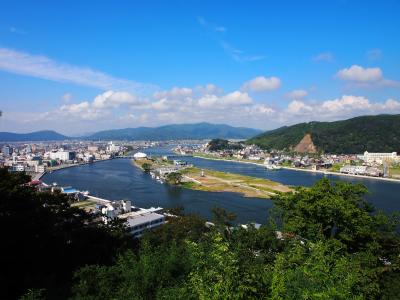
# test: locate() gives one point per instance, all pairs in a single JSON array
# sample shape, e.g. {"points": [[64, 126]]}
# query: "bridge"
{"points": [[124, 156]]}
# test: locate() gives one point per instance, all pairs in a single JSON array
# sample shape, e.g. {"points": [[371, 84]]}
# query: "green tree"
{"points": [[44, 240], [174, 178], [146, 167], [334, 210], [332, 245]]}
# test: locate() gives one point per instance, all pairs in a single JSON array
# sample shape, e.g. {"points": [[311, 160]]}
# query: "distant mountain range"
{"points": [[167, 132], [177, 132], [44, 135], [367, 133]]}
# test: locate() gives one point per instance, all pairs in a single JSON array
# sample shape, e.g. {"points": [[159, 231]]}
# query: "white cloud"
{"points": [[175, 93], [235, 98], [43, 67], [325, 56], [161, 104], [209, 89], [297, 107], [336, 109], [76, 111], [346, 103], [116, 99], [359, 74], [297, 94], [262, 83], [365, 77], [259, 109]]}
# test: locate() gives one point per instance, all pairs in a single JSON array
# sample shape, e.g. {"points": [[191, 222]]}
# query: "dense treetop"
{"points": [[221, 144]]}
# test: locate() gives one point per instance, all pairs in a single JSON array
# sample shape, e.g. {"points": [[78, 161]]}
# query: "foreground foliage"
{"points": [[330, 247], [324, 242], [44, 240]]}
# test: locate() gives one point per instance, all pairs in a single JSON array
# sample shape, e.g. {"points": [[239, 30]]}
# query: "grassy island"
{"points": [[215, 181]]}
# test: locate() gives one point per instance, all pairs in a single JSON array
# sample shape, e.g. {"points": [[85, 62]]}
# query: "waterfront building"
{"points": [[140, 155], [359, 170], [62, 155], [379, 158], [112, 148], [138, 224], [180, 163]]}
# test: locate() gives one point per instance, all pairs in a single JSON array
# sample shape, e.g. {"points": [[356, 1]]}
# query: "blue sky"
{"points": [[83, 66]]}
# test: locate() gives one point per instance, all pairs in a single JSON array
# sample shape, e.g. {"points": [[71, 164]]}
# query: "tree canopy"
{"points": [[323, 242]]}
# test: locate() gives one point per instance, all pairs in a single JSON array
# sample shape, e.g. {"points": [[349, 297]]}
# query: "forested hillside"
{"points": [[367, 133]]}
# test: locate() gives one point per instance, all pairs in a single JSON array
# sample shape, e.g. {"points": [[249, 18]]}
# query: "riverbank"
{"points": [[215, 181], [303, 170], [39, 176]]}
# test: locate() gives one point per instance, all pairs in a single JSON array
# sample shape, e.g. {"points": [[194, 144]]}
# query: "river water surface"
{"points": [[119, 179]]}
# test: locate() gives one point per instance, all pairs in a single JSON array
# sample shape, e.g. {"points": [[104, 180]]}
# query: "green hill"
{"points": [[177, 132], [367, 133], [44, 135]]}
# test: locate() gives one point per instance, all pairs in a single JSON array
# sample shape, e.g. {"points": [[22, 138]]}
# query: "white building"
{"points": [[379, 158], [140, 155], [139, 223], [357, 170], [113, 148], [40, 168], [18, 168], [62, 155]]}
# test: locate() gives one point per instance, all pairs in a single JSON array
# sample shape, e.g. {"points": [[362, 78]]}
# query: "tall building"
{"points": [[7, 150], [62, 155]]}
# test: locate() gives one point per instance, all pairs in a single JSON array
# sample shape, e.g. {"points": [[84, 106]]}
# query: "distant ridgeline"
{"points": [[177, 132], [44, 135], [367, 133], [167, 132]]}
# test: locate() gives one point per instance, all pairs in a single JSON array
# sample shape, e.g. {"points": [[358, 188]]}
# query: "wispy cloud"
{"points": [[16, 30], [218, 28], [239, 55], [46, 68], [235, 53], [325, 56]]}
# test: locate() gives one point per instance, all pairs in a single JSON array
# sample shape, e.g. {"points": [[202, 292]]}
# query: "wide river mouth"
{"points": [[119, 179]]}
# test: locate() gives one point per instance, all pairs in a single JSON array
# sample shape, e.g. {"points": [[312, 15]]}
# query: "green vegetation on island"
{"points": [[214, 181], [221, 144], [367, 133]]}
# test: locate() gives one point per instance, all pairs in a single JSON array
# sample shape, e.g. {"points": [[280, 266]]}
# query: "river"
{"points": [[119, 179]]}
